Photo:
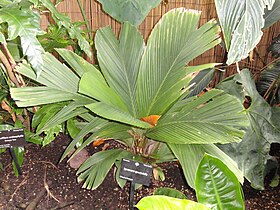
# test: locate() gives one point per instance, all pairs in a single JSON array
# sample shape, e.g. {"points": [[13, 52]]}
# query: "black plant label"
{"points": [[12, 138], [136, 172]]}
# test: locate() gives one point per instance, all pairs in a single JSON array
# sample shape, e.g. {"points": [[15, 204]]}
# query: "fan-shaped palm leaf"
{"points": [[174, 42]]}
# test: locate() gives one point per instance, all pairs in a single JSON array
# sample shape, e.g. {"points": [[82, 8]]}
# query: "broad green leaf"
{"points": [[214, 117], [115, 114], [93, 84], [170, 192], [94, 170], [161, 202], [74, 31], [162, 75], [189, 157], [21, 23], [272, 16], [120, 60], [241, 22], [133, 11], [216, 186], [264, 129]]}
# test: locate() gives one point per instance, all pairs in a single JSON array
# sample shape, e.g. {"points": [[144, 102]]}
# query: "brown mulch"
{"points": [[40, 170]]}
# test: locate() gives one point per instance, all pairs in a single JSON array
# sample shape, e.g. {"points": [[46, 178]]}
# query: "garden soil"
{"points": [[47, 184]]}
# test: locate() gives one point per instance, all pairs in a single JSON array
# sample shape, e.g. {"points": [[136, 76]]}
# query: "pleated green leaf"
{"points": [[61, 84], [161, 202], [133, 11], [120, 60], [214, 117], [32, 96], [112, 113], [174, 41], [94, 85], [94, 170], [79, 64], [241, 22], [216, 186], [202, 79], [272, 16], [108, 130]]}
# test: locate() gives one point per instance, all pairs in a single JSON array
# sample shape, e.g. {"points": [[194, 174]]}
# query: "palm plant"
{"points": [[138, 97]]}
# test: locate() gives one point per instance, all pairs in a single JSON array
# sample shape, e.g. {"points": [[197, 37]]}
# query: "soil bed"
{"points": [[40, 170]]}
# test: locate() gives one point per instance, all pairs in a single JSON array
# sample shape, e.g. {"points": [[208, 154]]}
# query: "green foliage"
{"points": [[24, 23], [136, 82], [272, 16], [191, 155], [241, 22], [252, 153], [133, 11], [170, 192], [161, 202], [56, 37], [73, 30], [216, 186]]}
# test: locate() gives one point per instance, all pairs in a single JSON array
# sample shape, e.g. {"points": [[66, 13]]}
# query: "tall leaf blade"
{"points": [[120, 60], [216, 186], [161, 67], [241, 22]]}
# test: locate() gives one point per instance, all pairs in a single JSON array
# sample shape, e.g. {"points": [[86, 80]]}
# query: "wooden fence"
{"points": [[98, 18]]}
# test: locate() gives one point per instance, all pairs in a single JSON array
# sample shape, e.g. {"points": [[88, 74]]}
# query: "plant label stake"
{"points": [[10, 139], [135, 172]]}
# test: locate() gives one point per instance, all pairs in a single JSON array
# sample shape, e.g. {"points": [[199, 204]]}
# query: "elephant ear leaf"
{"points": [[24, 23], [216, 186], [133, 11], [241, 22]]}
